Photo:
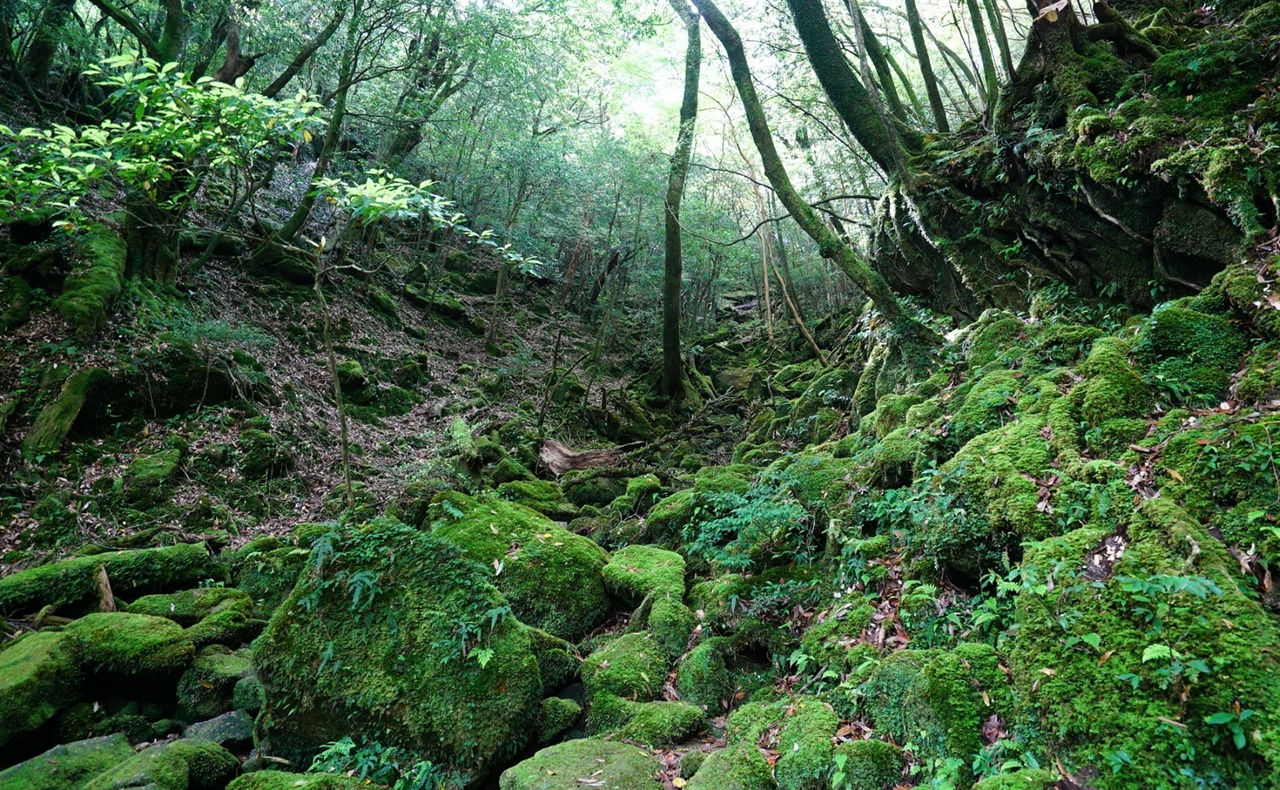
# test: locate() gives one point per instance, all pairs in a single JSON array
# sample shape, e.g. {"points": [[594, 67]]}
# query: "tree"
{"points": [[926, 68], [673, 259]]}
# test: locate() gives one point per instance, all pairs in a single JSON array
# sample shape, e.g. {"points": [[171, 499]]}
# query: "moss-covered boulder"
{"points": [[638, 571], [58, 417], [232, 729], [633, 666], [68, 766], [39, 675], [540, 495], [703, 677], [75, 580], [585, 762], [147, 479], [804, 744], [208, 688], [266, 568], [121, 643], [280, 780], [737, 767], [555, 715], [212, 615], [550, 575], [867, 765], [96, 279], [186, 764], [830, 637], [651, 723], [262, 456], [396, 634]]}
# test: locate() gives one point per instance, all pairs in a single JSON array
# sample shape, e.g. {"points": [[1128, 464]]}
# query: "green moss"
{"points": [[131, 644], [596, 487], [671, 623], [261, 455], [868, 765], [703, 678], [510, 470], [248, 695], [267, 569], [39, 675], [67, 766], [146, 480], [829, 640], [1026, 779], [550, 575], [540, 495], [739, 767], [644, 491], [18, 291], [181, 765], [605, 764], [1086, 708], [557, 659], [208, 687], [96, 280], [988, 404], [75, 580], [804, 744], [213, 615], [649, 723], [279, 780], [633, 667], [1193, 354], [637, 571], [671, 515], [1114, 389], [555, 715], [993, 335], [401, 662], [1260, 380], [56, 419]]}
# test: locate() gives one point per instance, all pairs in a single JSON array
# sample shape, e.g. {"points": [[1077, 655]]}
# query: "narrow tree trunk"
{"points": [[305, 53], [910, 331], [926, 69], [991, 78], [673, 258], [1002, 37], [38, 59]]}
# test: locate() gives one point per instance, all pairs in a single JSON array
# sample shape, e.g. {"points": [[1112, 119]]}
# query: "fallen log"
{"points": [[559, 459]]}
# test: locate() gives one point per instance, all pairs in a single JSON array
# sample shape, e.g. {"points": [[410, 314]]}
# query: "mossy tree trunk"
{"points": [[926, 68], [673, 258]]}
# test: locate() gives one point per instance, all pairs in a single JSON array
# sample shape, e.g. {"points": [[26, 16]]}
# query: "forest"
{"points": [[686, 395]]}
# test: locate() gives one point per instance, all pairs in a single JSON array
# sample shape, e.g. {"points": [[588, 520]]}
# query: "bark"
{"points": [[305, 53], [879, 58], [673, 258], [991, 79], [38, 59], [163, 50], [848, 96], [1001, 35], [910, 331], [926, 69]]}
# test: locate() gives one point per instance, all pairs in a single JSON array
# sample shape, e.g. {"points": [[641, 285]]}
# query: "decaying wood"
{"points": [[560, 459], [108, 600]]}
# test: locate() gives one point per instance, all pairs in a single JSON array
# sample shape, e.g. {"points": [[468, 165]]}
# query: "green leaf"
{"points": [[1154, 652], [1220, 718]]}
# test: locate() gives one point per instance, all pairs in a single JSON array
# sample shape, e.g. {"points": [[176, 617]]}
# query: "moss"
{"points": [[1260, 380], [739, 767], [279, 780], [596, 487], [868, 765], [550, 576], [1026, 779], [187, 764], [606, 764], [1114, 389], [509, 470], [555, 715], [1193, 353], [267, 569], [232, 729], [248, 695], [39, 675], [18, 291], [991, 336], [637, 571], [147, 479], [261, 455], [213, 615], [632, 667], [208, 687], [690, 762], [671, 623], [804, 744], [703, 678], [68, 766], [540, 495], [131, 644], [557, 659], [671, 515], [96, 280], [401, 662], [829, 639], [1087, 708], [988, 404], [56, 419], [642, 492], [649, 723], [75, 580]]}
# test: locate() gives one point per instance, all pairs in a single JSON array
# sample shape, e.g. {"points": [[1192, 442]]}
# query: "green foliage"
{"points": [[388, 766], [763, 526]]}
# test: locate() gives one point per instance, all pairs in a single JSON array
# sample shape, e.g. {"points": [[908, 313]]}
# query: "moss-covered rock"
{"points": [[75, 580], [828, 640], [555, 715], [737, 767], [633, 666], [550, 575], [652, 723], [208, 688], [187, 764], [1113, 389], [39, 675], [266, 568], [132, 644], [96, 280], [147, 479], [262, 456], [703, 677], [395, 634], [804, 744], [867, 765], [671, 623], [638, 571], [540, 495], [232, 729], [604, 764], [213, 615], [68, 766], [280, 780], [596, 487]]}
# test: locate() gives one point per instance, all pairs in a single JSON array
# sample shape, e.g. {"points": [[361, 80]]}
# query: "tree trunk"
{"points": [[915, 336], [926, 69], [673, 258], [305, 53], [38, 59], [991, 78]]}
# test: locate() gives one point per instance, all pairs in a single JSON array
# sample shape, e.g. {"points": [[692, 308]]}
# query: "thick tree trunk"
{"points": [[926, 69], [673, 258]]}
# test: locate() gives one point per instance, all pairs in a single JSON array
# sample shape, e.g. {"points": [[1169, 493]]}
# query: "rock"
{"points": [[208, 687], [738, 767], [187, 764], [570, 765], [555, 715], [394, 631], [869, 765], [540, 495], [146, 482], [279, 780], [56, 419], [651, 723], [703, 679], [638, 571], [131, 644], [633, 666], [550, 575], [213, 615], [230, 729], [67, 766], [75, 580], [39, 675]]}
